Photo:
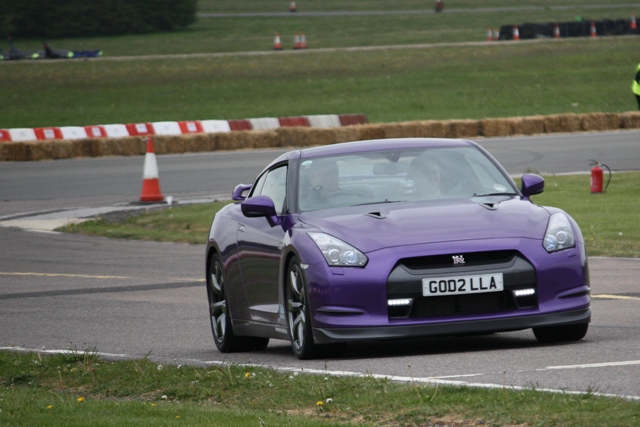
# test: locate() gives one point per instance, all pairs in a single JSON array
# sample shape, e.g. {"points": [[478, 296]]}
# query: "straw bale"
{"points": [[630, 120], [514, 124], [64, 149], [305, 136], [601, 121], [89, 147], [265, 139], [399, 130], [552, 124], [14, 152], [344, 134], [376, 131], [171, 144], [495, 127], [202, 142], [324, 136], [419, 129], [463, 128], [236, 140], [291, 136], [571, 122], [40, 150], [528, 125], [127, 146], [432, 129]]}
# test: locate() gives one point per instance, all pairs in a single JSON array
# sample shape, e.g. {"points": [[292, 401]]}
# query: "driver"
{"points": [[423, 178], [323, 179]]}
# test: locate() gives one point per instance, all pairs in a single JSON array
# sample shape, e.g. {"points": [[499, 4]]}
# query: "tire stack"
{"points": [[582, 28]]}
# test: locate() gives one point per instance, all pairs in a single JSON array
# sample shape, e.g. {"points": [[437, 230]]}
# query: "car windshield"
{"points": [[396, 176]]}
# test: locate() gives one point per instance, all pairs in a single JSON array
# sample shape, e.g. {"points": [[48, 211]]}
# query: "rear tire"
{"points": [[565, 333], [299, 318], [223, 336]]}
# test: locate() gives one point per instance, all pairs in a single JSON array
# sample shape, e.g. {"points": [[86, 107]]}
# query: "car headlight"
{"points": [[559, 234], [338, 253]]}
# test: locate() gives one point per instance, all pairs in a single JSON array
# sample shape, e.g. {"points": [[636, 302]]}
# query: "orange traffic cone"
{"points": [[277, 45], [594, 33], [296, 41], [303, 41], [489, 35], [556, 31], [516, 33], [150, 181], [633, 26]]}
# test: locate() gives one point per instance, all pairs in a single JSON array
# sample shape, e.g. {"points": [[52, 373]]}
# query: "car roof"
{"points": [[370, 145], [380, 144]]}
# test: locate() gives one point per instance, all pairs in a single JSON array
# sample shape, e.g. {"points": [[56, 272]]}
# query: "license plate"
{"points": [[457, 285]]}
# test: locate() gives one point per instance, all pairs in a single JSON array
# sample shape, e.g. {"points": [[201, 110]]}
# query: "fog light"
{"points": [[524, 292], [400, 301]]}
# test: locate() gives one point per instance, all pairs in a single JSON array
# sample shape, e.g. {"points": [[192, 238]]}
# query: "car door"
{"points": [[260, 248]]}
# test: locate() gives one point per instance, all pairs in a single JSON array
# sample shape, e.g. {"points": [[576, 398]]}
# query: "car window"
{"points": [[257, 187], [275, 186], [394, 176]]}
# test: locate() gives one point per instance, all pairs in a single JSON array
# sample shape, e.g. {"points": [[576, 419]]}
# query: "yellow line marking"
{"points": [[84, 276], [623, 297]]}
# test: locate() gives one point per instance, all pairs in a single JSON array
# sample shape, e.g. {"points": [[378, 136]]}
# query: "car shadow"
{"points": [[423, 346], [440, 345]]}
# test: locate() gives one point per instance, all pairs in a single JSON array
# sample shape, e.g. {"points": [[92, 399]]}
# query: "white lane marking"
{"points": [[593, 365], [458, 376], [608, 296], [88, 276], [284, 369], [84, 276]]}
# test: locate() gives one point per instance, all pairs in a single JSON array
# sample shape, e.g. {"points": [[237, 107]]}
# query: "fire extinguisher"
{"points": [[597, 177]]}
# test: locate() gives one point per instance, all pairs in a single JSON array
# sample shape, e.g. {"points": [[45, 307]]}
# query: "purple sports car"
{"points": [[388, 239]]}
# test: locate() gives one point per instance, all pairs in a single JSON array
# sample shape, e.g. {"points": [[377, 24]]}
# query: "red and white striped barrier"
{"points": [[179, 128]]}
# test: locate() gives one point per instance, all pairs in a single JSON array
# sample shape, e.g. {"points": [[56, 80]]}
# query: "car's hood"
{"points": [[373, 227]]}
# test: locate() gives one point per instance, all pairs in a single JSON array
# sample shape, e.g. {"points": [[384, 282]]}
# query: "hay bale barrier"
{"points": [[313, 136]]}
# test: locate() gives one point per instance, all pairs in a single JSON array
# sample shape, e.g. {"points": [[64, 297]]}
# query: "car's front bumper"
{"points": [[332, 335]]}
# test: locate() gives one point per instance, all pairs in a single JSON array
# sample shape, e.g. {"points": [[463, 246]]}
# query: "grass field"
{"points": [[609, 221], [79, 389], [445, 82]]}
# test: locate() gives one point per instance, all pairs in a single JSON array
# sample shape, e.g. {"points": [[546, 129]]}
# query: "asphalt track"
{"points": [[129, 298]]}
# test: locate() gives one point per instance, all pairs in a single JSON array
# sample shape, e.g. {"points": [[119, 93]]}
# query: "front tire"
{"points": [[299, 318], [223, 336], [564, 333]]}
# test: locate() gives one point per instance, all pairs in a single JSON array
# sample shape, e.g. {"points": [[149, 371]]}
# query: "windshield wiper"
{"points": [[378, 202], [494, 194]]}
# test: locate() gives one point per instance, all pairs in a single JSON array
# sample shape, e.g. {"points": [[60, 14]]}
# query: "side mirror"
{"points": [[260, 206], [532, 184], [237, 192]]}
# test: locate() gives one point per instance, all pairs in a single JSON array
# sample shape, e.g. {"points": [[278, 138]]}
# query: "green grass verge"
{"points": [[609, 221], [446, 82], [180, 224], [80, 389]]}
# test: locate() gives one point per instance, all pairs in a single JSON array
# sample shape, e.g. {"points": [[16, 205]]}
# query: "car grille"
{"points": [[405, 281], [471, 259], [493, 302]]}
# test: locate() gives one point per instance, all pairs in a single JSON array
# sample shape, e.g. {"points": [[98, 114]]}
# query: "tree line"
{"points": [[81, 18]]}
